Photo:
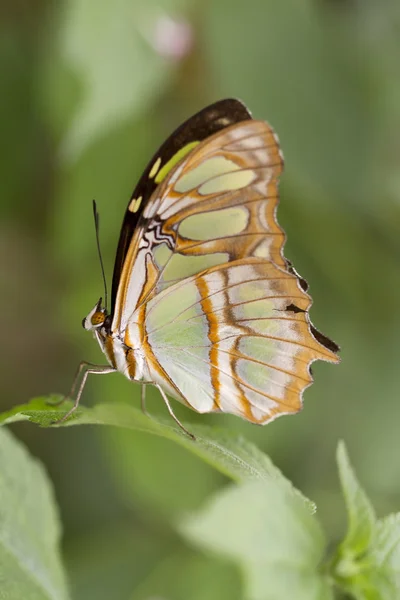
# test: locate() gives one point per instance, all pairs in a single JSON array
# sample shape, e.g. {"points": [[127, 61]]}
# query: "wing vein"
{"points": [[241, 382], [222, 289]]}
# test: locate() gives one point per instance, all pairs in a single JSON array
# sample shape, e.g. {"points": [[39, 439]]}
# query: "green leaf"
{"points": [[115, 59], [385, 552], [271, 533], [367, 562], [387, 542], [361, 516], [144, 469], [230, 453], [30, 566]]}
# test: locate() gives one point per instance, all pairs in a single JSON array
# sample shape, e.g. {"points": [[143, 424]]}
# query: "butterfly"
{"points": [[204, 306]]}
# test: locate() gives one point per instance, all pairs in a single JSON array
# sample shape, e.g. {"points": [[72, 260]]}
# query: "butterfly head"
{"points": [[95, 318]]}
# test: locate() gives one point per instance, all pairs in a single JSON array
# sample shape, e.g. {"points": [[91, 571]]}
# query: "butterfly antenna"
{"points": [[97, 228]]}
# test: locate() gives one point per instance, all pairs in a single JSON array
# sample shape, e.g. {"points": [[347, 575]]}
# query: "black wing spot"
{"points": [[325, 341], [293, 308], [303, 283]]}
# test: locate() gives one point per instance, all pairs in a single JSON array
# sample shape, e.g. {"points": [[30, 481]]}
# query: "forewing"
{"points": [[236, 339], [200, 126], [216, 205]]}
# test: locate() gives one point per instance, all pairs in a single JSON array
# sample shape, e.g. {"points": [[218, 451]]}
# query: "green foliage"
{"points": [[30, 566], [385, 553], [272, 534], [367, 562], [229, 453], [361, 517], [110, 52], [262, 524]]}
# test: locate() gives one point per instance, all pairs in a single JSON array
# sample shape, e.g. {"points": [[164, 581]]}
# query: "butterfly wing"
{"points": [[217, 205], [208, 121], [222, 316], [235, 338]]}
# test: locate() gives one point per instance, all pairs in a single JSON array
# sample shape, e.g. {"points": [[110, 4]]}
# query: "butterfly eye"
{"points": [[97, 318]]}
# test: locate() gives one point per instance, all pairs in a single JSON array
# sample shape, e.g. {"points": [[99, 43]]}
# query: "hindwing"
{"points": [[235, 338]]}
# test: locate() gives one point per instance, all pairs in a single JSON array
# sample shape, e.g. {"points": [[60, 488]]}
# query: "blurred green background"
{"points": [[89, 90]]}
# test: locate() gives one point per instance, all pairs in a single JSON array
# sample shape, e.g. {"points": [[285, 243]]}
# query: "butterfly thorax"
{"points": [[122, 349]]}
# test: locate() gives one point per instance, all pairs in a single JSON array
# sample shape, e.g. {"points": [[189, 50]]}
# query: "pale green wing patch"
{"points": [[209, 169], [175, 266], [222, 223], [161, 174]]}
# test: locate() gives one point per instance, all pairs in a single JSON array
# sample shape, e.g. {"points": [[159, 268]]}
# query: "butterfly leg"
{"points": [[171, 412], [143, 401], [79, 383]]}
